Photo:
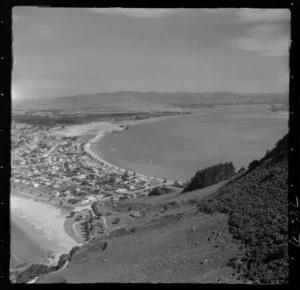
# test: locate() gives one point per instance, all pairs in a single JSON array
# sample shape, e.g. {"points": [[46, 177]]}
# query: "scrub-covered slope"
{"points": [[173, 239], [257, 206]]}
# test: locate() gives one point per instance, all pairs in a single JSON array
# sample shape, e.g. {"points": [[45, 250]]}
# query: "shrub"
{"points": [[74, 250], [116, 221], [210, 175], [62, 260], [160, 190], [33, 271], [252, 165], [257, 206]]}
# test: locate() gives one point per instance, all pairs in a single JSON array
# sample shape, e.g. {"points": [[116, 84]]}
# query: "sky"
{"points": [[71, 51]]}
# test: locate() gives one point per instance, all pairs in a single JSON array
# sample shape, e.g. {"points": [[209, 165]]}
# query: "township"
{"points": [[60, 167]]}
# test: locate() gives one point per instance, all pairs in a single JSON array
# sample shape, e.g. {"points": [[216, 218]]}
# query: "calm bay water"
{"points": [[176, 148]]}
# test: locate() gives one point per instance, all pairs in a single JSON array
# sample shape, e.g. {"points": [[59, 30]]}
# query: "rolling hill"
{"points": [[136, 101]]}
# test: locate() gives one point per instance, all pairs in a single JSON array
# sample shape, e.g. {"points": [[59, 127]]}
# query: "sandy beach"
{"points": [[90, 128], [40, 228]]}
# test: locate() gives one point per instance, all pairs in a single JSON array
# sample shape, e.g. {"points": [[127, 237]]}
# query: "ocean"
{"points": [[23, 247], [177, 147], [37, 231]]}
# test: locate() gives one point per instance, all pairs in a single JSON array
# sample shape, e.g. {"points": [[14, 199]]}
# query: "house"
{"points": [[121, 190], [118, 180], [85, 201], [91, 198]]}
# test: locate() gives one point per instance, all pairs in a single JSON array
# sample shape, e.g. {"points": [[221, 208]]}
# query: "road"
{"points": [[106, 231], [49, 152], [75, 230]]}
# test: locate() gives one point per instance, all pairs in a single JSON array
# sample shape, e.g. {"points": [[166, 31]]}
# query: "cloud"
{"points": [[134, 12], [265, 39], [53, 85], [266, 33], [41, 28], [70, 78], [262, 15], [17, 18]]}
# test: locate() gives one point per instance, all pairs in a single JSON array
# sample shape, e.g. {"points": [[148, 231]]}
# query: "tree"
{"points": [[92, 228], [257, 207], [74, 250], [210, 175], [116, 220], [252, 165]]}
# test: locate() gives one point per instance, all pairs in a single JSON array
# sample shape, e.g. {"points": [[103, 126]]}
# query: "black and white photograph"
{"points": [[149, 145]]}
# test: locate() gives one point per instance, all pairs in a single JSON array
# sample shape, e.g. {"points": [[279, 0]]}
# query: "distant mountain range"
{"points": [[127, 100]]}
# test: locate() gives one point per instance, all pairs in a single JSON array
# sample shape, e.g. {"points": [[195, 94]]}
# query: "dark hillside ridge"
{"points": [[257, 206], [210, 175]]}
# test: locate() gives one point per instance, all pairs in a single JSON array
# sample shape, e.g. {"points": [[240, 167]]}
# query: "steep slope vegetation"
{"points": [[257, 205], [202, 236], [210, 175]]}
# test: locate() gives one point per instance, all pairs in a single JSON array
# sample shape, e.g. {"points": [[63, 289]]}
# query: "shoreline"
{"points": [[112, 129], [43, 227], [43, 199], [99, 156], [112, 167]]}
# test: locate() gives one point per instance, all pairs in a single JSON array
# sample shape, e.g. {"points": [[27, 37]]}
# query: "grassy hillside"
{"points": [[170, 242], [257, 206], [232, 232]]}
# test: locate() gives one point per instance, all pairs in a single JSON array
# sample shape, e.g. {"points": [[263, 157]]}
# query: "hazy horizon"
{"points": [[61, 52]]}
